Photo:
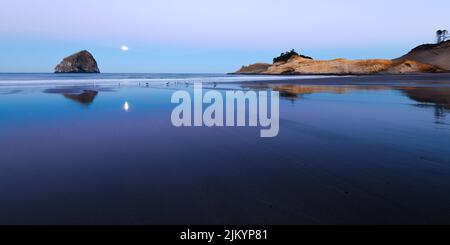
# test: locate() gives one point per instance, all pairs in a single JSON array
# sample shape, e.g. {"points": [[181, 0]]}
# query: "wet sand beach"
{"points": [[351, 150]]}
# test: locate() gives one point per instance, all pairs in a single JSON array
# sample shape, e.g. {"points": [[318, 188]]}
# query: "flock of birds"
{"points": [[167, 84]]}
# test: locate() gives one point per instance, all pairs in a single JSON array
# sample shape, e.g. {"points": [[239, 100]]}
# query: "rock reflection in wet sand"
{"points": [[85, 98]]}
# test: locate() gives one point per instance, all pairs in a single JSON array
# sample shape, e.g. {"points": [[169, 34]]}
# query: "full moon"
{"points": [[124, 48]]}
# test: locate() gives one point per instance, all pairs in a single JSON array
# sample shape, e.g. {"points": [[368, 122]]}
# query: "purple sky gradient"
{"points": [[210, 36]]}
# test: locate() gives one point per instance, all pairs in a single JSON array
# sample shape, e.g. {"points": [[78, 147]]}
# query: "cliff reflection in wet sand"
{"points": [[296, 91], [437, 97]]}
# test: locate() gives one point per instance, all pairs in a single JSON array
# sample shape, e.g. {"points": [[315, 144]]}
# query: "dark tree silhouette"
{"points": [[442, 36], [284, 57]]}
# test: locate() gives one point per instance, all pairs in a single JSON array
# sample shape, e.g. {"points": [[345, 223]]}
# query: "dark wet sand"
{"points": [[345, 155]]}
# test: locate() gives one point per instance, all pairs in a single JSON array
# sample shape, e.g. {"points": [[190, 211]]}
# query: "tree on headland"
{"points": [[442, 36], [284, 57]]}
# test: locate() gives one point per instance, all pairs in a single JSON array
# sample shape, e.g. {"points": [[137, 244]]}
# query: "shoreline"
{"points": [[424, 79]]}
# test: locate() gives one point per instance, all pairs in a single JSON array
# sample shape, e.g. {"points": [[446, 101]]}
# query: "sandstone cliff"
{"points": [[299, 65], [81, 62], [433, 54], [254, 68], [423, 59]]}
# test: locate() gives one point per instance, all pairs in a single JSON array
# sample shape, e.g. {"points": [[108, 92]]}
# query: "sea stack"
{"points": [[81, 62]]}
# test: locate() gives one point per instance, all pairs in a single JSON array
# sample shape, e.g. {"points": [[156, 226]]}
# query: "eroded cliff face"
{"points": [[254, 68], [81, 62], [433, 54], [299, 65]]}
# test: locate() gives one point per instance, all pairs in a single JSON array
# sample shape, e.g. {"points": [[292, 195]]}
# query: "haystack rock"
{"points": [[81, 62]]}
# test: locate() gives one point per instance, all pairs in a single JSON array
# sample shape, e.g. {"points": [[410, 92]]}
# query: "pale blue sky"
{"points": [[209, 35]]}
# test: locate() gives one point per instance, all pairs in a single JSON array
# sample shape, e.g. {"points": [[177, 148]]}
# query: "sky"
{"points": [[210, 36]]}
